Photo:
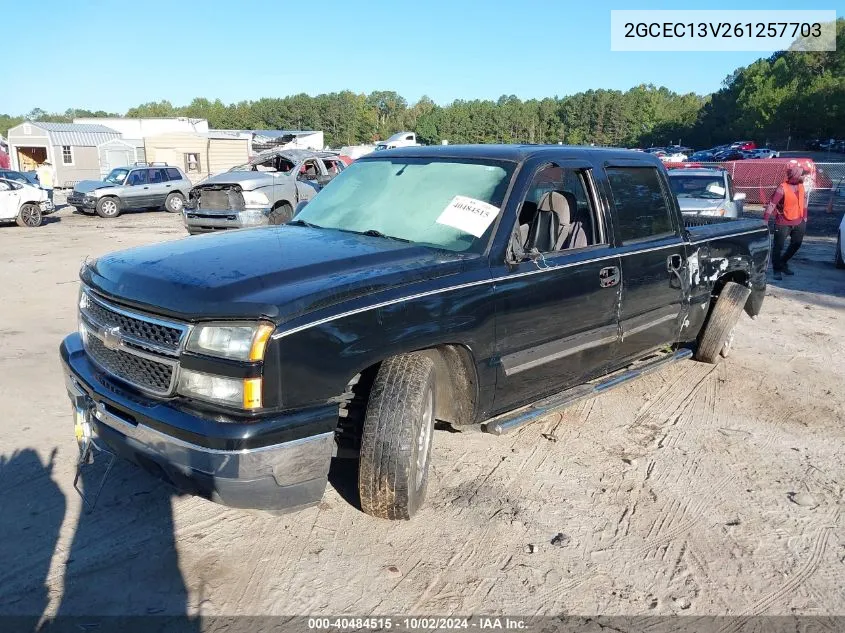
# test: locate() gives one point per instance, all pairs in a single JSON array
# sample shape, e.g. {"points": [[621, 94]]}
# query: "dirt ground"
{"points": [[697, 490]]}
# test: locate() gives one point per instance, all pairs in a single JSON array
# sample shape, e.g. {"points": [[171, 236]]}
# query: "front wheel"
{"points": [[29, 216], [396, 443], [717, 337], [840, 262], [174, 203], [281, 214], [108, 207]]}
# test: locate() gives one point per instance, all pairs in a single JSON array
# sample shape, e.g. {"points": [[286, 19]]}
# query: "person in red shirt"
{"points": [[789, 205]]}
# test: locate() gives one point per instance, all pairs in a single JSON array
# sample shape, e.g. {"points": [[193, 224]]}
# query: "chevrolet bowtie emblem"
{"points": [[111, 338]]}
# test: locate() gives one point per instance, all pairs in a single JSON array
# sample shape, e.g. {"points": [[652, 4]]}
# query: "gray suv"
{"points": [[140, 186]]}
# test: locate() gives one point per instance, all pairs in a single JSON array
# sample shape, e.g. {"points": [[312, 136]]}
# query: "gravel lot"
{"points": [[697, 490]]}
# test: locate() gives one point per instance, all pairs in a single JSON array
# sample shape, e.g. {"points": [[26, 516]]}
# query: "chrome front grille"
{"points": [[137, 348], [150, 375], [140, 328]]}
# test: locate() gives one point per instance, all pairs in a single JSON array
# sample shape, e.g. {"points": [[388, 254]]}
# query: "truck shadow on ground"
{"points": [[343, 477], [122, 562]]}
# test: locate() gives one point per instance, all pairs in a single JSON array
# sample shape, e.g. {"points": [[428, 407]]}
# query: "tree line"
{"points": [[797, 95]]}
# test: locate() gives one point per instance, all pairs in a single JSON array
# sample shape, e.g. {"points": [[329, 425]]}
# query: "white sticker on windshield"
{"points": [[468, 215], [714, 188]]}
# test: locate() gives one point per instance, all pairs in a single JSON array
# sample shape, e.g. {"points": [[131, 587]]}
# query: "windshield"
{"points": [[444, 203], [709, 187], [117, 176]]}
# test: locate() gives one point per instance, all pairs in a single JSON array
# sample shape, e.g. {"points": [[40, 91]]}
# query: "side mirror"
{"points": [[739, 197], [299, 207]]}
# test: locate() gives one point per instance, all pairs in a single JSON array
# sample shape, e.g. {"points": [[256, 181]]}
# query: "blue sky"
{"points": [[113, 55]]}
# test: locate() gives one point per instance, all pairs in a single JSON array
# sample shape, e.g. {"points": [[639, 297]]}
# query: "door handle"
{"points": [[609, 276], [674, 262], [146, 187]]}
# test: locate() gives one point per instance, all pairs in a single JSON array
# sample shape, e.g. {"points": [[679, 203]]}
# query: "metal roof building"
{"points": [[72, 148]]}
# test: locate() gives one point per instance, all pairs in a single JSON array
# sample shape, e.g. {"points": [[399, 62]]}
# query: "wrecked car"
{"points": [[264, 191], [466, 285]]}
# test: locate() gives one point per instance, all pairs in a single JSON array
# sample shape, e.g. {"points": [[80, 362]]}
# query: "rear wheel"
{"points": [[174, 203], [717, 337], [840, 262], [108, 207], [281, 214], [397, 437], [29, 216]]}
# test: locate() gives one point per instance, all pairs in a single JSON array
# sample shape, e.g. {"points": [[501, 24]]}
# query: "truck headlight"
{"points": [[255, 199], [237, 341], [241, 393]]}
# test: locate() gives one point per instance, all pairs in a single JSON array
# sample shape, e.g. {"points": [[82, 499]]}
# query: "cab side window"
{"points": [[642, 210], [157, 176], [137, 177], [558, 214]]}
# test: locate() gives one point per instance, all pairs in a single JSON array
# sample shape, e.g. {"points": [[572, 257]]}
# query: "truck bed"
{"points": [[704, 228]]}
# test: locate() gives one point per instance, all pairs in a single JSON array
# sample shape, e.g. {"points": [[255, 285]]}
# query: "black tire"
{"points": [[281, 214], [840, 263], [716, 337], [174, 203], [29, 216], [108, 207], [397, 438]]}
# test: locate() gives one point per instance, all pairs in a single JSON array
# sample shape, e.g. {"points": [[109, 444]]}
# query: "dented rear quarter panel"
{"points": [[735, 249]]}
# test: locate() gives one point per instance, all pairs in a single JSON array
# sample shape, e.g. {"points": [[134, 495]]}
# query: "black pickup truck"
{"points": [[460, 284]]}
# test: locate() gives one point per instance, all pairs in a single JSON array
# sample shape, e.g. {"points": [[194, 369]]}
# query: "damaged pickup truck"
{"points": [[264, 191], [460, 284]]}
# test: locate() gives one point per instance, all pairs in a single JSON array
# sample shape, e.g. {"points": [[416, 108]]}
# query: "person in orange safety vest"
{"points": [[789, 206]]}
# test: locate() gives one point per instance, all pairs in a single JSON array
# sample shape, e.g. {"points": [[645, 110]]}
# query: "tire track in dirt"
{"points": [[672, 400], [796, 580]]}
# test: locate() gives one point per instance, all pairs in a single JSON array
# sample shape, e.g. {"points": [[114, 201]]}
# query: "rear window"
{"points": [[173, 174], [642, 211], [157, 176]]}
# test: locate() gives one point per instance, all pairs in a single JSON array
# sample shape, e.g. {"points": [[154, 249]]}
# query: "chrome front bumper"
{"points": [[281, 477], [206, 220]]}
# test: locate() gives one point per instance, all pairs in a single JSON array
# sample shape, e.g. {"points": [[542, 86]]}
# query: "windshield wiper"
{"points": [[375, 233], [304, 223]]}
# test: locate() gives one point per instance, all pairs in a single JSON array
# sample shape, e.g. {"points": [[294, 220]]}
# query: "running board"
{"points": [[514, 419]]}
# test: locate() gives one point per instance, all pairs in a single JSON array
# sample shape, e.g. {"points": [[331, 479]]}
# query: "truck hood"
{"points": [[697, 205], [86, 186], [274, 272], [246, 180]]}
